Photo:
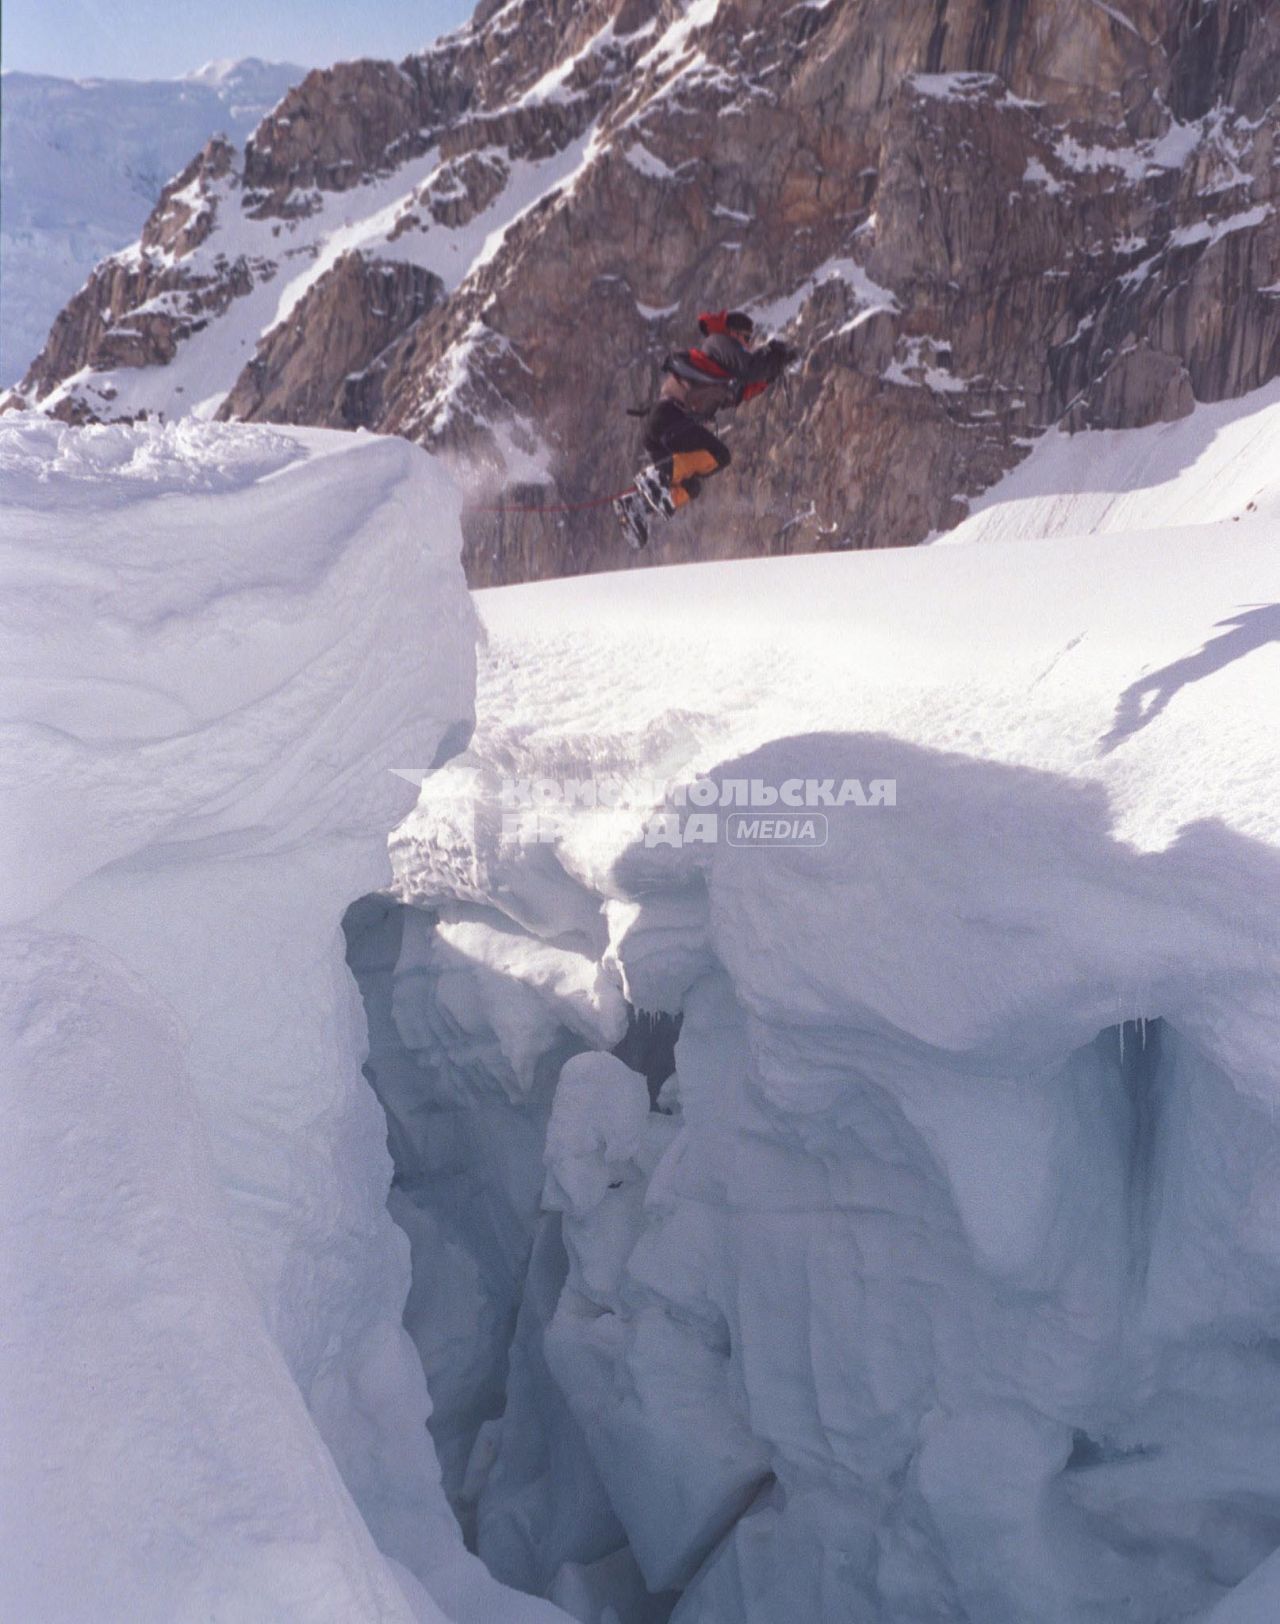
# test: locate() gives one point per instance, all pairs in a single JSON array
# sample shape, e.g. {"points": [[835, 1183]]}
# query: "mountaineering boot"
{"points": [[663, 488], [653, 486], [632, 511]]}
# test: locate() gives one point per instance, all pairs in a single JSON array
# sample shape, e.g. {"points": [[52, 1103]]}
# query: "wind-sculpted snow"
{"points": [[219, 642], [941, 1279], [44, 467]]}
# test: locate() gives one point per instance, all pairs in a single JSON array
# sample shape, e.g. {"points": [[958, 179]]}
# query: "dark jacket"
{"points": [[722, 373]]}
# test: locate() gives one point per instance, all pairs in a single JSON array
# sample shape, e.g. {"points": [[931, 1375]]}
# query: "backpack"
{"points": [[700, 392], [700, 383]]}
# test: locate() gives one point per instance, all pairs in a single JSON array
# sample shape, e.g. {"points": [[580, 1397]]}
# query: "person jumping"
{"points": [[724, 373]]}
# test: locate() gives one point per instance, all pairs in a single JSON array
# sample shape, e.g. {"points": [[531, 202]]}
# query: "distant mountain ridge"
{"points": [[83, 163], [976, 219]]}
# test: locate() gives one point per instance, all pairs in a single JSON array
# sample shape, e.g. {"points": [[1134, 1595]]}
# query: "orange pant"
{"points": [[687, 465]]}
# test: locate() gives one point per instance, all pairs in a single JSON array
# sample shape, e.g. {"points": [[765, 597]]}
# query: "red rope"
{"points": [[553, 507]]}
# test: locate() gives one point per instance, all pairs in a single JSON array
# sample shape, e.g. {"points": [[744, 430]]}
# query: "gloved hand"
{"points": [[780, 353]]}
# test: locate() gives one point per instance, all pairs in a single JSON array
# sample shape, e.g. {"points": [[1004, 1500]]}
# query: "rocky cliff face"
{"points": [[976, 218]]}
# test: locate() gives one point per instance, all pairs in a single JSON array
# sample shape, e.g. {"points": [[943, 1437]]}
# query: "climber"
{"points": [[696, 385]]}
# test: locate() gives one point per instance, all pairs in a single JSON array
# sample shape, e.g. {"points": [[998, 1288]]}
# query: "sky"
{"points": [[162, 39]]}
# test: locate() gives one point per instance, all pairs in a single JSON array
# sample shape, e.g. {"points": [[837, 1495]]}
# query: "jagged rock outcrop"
{"points": [[976, 218], [317, 368], [141, 304]]}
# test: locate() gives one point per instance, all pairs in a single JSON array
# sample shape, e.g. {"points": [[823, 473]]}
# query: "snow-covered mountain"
{"points": [[874, 1220], [978, 220], [82, 162]]}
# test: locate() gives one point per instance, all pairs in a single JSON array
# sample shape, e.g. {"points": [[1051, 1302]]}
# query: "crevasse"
{"points": [[860, 1319]]}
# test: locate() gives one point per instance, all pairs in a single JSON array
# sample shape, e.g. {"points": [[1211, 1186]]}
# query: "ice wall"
{"points": [[220, 640], [469, 1022]]}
